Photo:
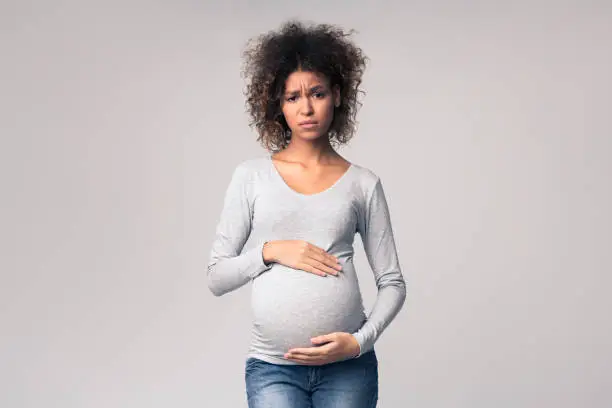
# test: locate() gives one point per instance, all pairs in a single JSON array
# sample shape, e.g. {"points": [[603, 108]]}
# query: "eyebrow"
{"points": [[313, 89]]}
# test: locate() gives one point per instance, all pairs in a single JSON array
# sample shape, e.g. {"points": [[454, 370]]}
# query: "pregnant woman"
{"points": [[288, 224]]}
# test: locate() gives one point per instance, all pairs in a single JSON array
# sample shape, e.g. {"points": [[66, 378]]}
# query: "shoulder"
{"points": [[246, 174], [246, 168], [251, 163], [369, 184], [366, 177]]}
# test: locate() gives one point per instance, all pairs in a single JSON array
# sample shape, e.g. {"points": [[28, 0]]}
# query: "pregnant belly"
{"points": [[291, 306]]}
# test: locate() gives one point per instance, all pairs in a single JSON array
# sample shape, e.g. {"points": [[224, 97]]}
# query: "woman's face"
{"points": [[308, 104]]}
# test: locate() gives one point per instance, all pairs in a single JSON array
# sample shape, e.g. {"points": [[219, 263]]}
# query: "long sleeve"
{"points": [[229, 267], [376, 232]]}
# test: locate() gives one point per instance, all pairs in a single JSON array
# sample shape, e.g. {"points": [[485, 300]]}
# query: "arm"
{"points": [[376, 233], [229, 267]]}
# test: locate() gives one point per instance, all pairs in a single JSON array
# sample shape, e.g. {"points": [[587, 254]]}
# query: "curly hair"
{"points": [[271, 57]]}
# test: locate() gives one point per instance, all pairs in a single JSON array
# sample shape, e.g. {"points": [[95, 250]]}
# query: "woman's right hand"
{"points": [[299, 254]]}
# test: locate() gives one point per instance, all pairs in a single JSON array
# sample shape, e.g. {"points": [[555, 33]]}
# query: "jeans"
{"points": [[350, 383]]}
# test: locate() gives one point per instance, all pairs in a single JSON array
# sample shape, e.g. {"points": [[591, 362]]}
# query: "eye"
{"points": [[319, 95], [291, 98]]}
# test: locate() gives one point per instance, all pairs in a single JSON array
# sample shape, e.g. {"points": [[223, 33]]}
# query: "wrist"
{"points": [[268, 252], [356, 347], [357, 343]]}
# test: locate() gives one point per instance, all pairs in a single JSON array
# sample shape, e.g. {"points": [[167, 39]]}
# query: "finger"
{"points": [[309, 362], [309, 268], [326, 260], [305, 352], [326, 338], [306, 356], [322, 267], [312, 351], [325, 257]]}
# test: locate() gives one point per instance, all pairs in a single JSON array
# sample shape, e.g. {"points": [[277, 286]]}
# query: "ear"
{"points": [[336, 94]]}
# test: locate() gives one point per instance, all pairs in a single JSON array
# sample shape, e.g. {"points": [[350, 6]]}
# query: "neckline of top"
{"points": [[297, 193]]}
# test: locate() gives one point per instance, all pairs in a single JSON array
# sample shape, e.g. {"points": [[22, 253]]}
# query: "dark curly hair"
{"points": [[271, 57]]}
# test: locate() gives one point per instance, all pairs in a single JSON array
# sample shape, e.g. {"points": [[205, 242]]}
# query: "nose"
{"points": [[306, 106]]}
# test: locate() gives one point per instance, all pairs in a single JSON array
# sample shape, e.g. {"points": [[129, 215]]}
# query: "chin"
{"points": [[314, 135]]}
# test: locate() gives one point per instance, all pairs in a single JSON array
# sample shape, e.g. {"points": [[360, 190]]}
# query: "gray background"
{"points": [[489, 123]]}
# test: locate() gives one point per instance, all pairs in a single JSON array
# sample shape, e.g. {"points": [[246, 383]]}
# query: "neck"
{"points": [[308, 152]]}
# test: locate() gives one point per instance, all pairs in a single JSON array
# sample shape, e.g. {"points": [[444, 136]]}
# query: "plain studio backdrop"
{"points": [[489, 123]]}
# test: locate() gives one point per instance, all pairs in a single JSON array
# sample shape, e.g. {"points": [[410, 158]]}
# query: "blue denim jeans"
{"points": [[344, 384]]}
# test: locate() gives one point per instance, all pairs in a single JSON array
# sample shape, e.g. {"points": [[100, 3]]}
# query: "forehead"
{"points": [[304, 79]]}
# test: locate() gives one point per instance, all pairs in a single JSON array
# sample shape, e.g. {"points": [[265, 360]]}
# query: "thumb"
{"points": [[326, 338]]}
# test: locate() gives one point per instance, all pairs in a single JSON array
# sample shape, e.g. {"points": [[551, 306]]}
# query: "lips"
{"points": [[307, 123]]}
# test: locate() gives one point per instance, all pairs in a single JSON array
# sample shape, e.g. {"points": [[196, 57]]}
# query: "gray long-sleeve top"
{"points": [[290, 306]]}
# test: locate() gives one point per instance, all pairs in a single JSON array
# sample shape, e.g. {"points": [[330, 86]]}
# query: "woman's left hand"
{"points": [[329, 348]]}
